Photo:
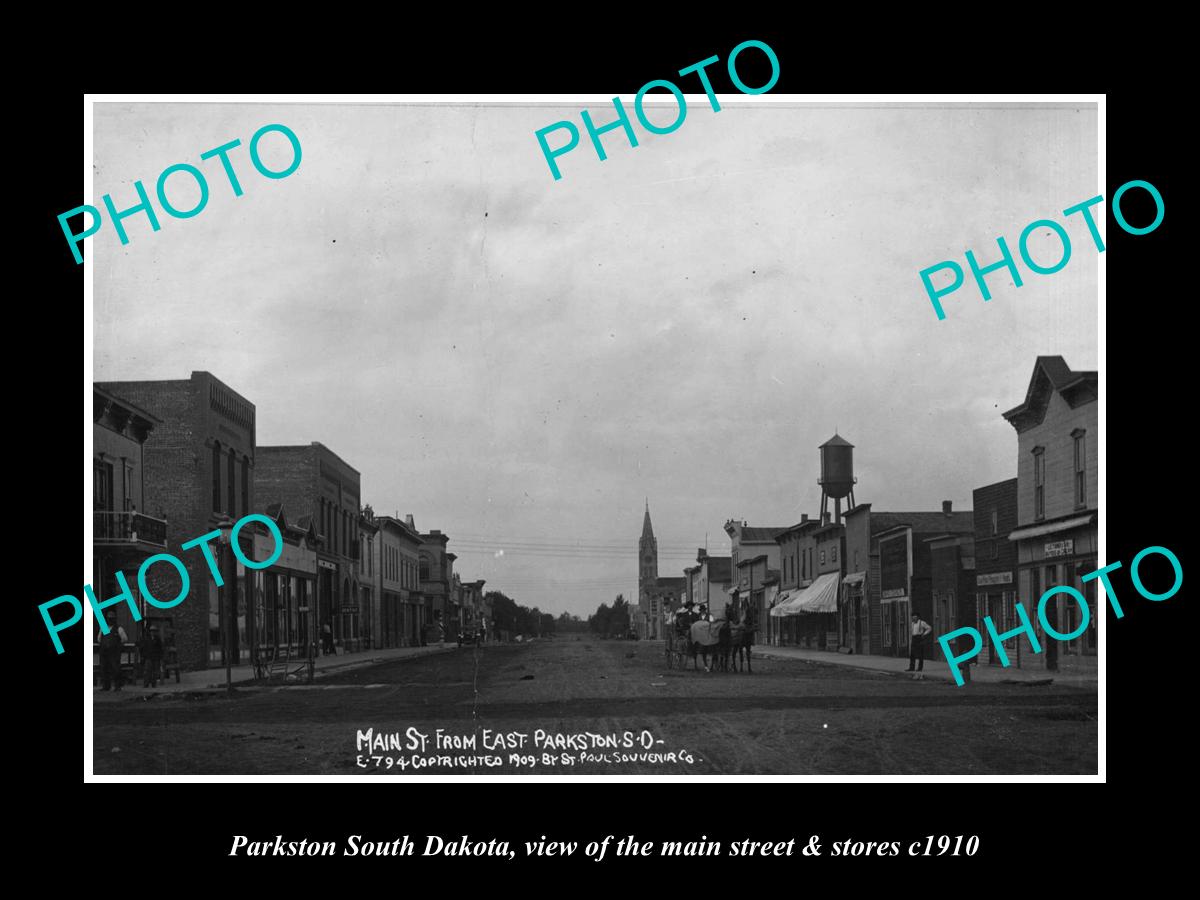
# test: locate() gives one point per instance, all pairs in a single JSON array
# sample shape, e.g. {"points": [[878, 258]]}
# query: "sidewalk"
{"points": [[936, 669], [214, 679]]}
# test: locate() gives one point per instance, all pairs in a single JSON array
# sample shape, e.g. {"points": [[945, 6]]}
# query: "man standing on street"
{"points": [[916, 652], [110, 660], [152, 653]]}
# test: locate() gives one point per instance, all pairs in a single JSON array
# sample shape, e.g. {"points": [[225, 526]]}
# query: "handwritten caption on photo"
{"points": [[485, 748], [597, 850]]}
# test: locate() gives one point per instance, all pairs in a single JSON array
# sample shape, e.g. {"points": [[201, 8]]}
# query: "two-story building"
{"points": [[123, 534], [995, 508], [1057, 533], [312, 480], [436, 572], [199, 465]]}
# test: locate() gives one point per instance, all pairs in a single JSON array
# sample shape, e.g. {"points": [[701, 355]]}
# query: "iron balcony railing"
{"points": [[129, 527]]}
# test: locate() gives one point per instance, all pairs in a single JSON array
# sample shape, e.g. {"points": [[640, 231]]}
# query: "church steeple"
{"points": [[647, 555]]}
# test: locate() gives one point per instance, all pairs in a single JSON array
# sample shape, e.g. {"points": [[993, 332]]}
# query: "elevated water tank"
{"points": [[837, 467]]}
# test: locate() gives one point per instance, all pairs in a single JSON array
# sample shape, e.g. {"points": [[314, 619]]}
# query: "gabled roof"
{"points": [[1051, 373]]}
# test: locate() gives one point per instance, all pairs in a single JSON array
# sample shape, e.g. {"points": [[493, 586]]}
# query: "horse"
{"points": [[711, 637], [741, 635]]}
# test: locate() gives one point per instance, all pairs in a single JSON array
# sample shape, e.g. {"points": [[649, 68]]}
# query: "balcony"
{"points": [[128, 529]]}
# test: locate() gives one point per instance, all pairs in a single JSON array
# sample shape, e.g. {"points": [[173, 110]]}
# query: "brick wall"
{"points": [[178, 481]]}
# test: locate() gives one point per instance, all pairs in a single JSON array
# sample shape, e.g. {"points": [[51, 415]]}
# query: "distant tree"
{"points": [[619, 618], [599, 620], [547, 624], [504, 611]]}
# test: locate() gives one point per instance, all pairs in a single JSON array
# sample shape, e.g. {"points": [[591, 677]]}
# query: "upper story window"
{"points": [[1080, 467], [995, 521], [230, 477], [102, 485], [424, 574], [216, 477], [1039, 482], [245, 485]]}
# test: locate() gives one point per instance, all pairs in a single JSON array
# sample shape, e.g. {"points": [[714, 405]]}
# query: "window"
{"points": [[102, 485], [216, 477], [995, 521], [822, 557], [245, 485], [1080, 468], [1039, 482], [833, 558], [424, 568], [231, 486]]}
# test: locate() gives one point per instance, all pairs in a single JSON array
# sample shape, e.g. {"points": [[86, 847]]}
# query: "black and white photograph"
{"points": [[462, 437]]}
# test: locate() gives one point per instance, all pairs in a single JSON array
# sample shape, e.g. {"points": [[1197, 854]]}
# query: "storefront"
{"points": [[1057, 553], [895, 596], [284, 619], [854, 625], [995, 597], [809, 615]]}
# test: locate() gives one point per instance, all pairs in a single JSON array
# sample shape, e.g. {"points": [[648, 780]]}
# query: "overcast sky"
{"points": [[520, 361]]}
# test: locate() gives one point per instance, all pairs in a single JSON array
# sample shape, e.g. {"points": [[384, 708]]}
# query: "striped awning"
{"points": [[854, 578], [819, 597]]}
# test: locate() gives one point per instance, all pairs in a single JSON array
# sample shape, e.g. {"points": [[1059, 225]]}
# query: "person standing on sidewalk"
{"points": [[110, 661], [152, 654], [916, 646]]}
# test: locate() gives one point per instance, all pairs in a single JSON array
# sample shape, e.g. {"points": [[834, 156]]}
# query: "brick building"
{"points": [[996, 567], [123, 535], [1057, 530], [312, 480], [199, 469]]}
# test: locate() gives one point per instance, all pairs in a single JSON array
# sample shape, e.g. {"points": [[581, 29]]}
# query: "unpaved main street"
{"points": [[789, 717]]}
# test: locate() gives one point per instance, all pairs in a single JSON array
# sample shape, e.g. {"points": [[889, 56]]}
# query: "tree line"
{"points": [[609, 621]]}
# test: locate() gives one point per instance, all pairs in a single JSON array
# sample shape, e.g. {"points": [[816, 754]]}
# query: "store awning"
{"points": [[1051, 528], [854, 578], [819, 597]]}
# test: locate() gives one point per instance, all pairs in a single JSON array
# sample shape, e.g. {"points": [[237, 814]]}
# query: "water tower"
{"points": [[837, 475]]}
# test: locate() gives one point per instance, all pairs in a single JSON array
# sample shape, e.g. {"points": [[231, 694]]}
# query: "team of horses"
{"points": [[726, 640]]}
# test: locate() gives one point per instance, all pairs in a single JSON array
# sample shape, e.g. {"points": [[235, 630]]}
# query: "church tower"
{"points": [[647, 556]]}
